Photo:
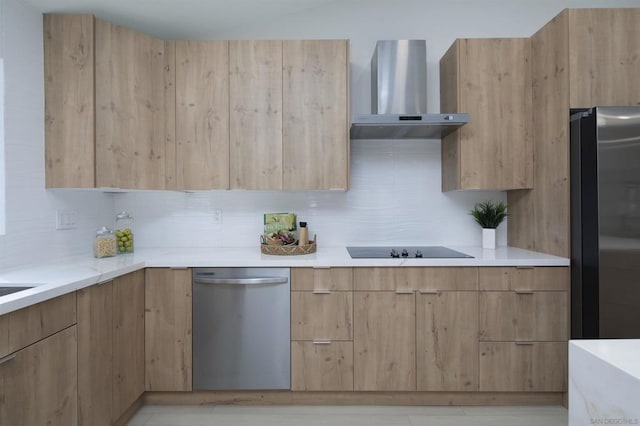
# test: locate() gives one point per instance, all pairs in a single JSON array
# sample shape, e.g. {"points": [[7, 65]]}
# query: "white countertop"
{"points": [[604, 381], [71, 274]]}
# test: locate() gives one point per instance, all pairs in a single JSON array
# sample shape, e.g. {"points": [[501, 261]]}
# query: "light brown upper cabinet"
{"points": [[255, 109], [130, 145], [104, 105], [202, 115], [315, 114], [491, 80], [581, 58], [69, 101]]}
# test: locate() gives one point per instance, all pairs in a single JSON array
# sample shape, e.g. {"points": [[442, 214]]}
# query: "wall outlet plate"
{"points": [[217, 216], [66, 219]]}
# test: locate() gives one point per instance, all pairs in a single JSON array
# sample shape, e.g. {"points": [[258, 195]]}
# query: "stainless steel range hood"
{"points": [[399, 96]]}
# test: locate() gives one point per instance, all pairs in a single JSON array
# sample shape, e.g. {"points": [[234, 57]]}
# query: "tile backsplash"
{"points": [[395, 197]]}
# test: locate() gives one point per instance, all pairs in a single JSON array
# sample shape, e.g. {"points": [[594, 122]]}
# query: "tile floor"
{"points": [[348, 416]]}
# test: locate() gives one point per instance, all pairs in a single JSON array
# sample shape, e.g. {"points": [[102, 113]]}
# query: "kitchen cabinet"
{"points": [[315, 114], [255, 110], [202, 114], [129, 81], [38, 364], [523, 366], [104, 105], [321, 366], [384, 341], [447, 341], [581, 58], [23, 327], [322, 329], [69, 71], [523, 328], [168, 330], [128, 341], [38, 384], [491, 80], [110, 348]]}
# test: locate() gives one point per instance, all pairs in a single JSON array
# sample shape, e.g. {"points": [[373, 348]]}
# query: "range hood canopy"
{"points": [[399, 96]]}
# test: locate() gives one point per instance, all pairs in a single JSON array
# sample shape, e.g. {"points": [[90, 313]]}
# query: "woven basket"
{"points": [[290, 250]]}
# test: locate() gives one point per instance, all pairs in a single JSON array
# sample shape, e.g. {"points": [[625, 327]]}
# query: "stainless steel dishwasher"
{"points": [[241, 328]]}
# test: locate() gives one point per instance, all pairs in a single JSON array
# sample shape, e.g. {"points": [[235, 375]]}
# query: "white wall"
{"points": [[395, 195], [30, 209]]}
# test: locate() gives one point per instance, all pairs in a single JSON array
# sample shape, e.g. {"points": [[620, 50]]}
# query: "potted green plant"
{"points": [[489, 215]]}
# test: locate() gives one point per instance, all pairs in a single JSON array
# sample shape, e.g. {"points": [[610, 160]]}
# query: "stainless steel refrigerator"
{"points": [[605, 223]]}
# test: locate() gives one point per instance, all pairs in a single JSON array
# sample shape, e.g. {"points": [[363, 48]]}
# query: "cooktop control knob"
{"points": [[394, 253], [405, 253], [418, 253]]}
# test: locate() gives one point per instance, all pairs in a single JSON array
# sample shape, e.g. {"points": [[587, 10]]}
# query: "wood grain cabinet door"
{"points": [[128, 341], [447, 341], [321, 366], [321, 315], [39, 384], [523, 367], [331, 279], [491, 80], [524, 316], [255, 112], [168, 330], [69, 101], [384, 341], [95, 354], [202, 115], [315, 114], [130, 138]]}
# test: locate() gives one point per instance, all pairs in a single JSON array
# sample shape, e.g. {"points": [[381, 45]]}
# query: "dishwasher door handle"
{"points": [[242, 281]]}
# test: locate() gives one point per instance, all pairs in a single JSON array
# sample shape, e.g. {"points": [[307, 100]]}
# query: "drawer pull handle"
{"points": [[430, 291], [524, 291], [7, 358], [524, 342], [178, 268], [321, 291], [404, 291], [322, 342], [525, 267]]}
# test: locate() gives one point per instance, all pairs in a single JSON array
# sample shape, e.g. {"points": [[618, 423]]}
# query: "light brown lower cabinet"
{"points": [[321, 315], [523, 366], [447, 341], [38, 384], [168, 330], [321, 366], [384, 341], [110, 348]]}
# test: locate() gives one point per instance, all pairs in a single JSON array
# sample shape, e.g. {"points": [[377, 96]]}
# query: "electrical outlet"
{"points": [[66, 219], [217, 216]]}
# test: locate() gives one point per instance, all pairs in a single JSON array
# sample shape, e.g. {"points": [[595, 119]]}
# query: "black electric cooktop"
{"points": [[424, 252]]}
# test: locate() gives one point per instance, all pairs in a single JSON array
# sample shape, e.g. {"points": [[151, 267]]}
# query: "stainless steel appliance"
{"points": [[605, 223], [241, 328], [399, 96], [416, 252]]}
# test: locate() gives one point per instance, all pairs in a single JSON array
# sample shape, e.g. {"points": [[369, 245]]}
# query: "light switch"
{"points": [[66, 219]]}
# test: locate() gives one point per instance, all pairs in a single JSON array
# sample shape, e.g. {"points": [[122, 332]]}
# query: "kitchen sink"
{"points": [[13, 289]]}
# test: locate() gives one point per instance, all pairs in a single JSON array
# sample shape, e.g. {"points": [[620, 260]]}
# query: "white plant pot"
{"points": [[488, 238]]}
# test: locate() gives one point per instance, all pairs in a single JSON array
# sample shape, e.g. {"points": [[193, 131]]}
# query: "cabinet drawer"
{"points": [[321, 315], [537, 316], [38, 384], [524, 278], [322, 366], [387, 279], [26, 326], [303, 279], [531, 367], [449, 279]]}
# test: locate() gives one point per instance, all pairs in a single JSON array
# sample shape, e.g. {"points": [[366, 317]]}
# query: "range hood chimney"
{"points": [[399, 96]]}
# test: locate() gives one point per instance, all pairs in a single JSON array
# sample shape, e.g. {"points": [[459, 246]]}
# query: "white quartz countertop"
{"points": [[63, 276], [604, 382]]}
